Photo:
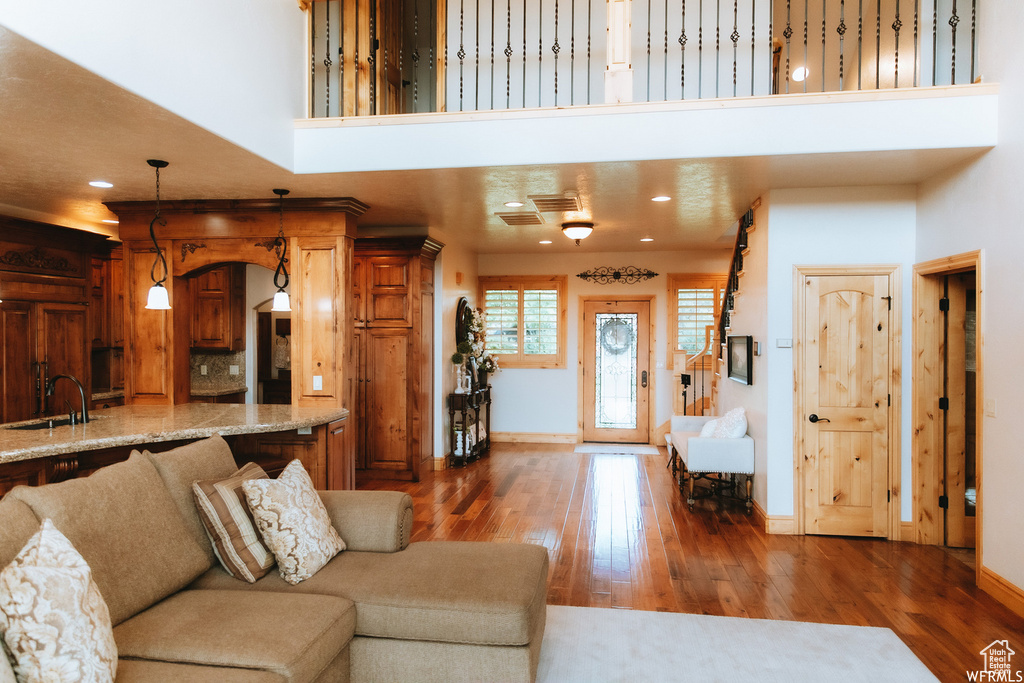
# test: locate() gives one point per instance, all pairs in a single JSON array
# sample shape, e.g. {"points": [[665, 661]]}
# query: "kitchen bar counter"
{"points": [[136, 425]]}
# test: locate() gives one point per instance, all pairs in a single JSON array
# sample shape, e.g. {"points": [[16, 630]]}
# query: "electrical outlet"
{"points": [[990, 407], [318, 383], [232, 369], [202, 370]]}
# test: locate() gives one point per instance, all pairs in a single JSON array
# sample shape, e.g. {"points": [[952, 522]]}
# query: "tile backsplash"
{"points": [[218, 370]]}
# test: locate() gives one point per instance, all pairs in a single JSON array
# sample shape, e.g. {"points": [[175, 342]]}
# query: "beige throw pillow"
{"points": [[53, 619], [229, 524], [732, 425], [294, 522]]}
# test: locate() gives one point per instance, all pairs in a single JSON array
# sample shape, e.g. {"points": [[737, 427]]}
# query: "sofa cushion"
{"points": [[151, 671], [17, 524], [52, 615], [229, 524], [124, 523], [204, 459], [293, 636], [293, 521], [6, 670], [450, 591]]}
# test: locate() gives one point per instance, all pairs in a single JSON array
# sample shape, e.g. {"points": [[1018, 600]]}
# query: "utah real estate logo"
{"points": [[998, 664]]}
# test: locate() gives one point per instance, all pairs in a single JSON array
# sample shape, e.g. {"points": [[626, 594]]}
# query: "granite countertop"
{"points": [[218, 390], [134, 425], [104, 395]]}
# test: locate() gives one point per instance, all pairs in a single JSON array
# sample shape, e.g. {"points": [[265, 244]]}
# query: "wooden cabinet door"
{"points": [[218, 309], [99, 310], [17, 362], [115, 299], [387, 296], [341, 467], [358, 289], [386, 410], [61, 331]]}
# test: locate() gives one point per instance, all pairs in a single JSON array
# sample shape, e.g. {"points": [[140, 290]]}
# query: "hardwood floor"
{"points": [[620, 535]]}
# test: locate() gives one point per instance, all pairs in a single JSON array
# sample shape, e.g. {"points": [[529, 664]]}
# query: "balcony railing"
{"points": [[371, 57]]}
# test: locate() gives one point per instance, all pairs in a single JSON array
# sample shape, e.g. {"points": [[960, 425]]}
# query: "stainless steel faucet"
{"points": [[81, 392]]}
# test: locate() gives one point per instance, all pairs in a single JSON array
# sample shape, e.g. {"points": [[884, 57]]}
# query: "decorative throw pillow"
{"points": [[53, 619], [732, 425], [708, 430], [294, 522], [229, 524]]}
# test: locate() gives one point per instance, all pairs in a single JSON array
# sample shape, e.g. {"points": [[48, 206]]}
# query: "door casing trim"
{"points": [[893, 272], [652, 374]]}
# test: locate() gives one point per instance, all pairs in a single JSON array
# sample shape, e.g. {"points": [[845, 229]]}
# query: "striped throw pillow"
{"points": [[229, 524]]}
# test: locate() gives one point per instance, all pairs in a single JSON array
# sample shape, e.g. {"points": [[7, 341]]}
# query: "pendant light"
{"points": [[577, 230], [157, 299], [281, 301]]}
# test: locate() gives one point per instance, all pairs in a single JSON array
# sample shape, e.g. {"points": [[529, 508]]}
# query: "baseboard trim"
{"points": [[531, 437], [783, 525], [760, 516], [908, 532], [441, 463], [1002, 590]]}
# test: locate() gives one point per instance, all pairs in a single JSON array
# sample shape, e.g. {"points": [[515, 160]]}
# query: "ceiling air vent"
{"points": [[567, 201], [521, 218]]}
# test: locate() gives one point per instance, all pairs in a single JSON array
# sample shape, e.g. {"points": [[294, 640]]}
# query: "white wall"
{"points": [[234, 67], [977, 206], [750, 316], [546, 401], [840, 226]]}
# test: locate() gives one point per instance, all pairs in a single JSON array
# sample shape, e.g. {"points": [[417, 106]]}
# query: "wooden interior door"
{"points": [[18, 369], [959, 378], [845, 397], [616, 372], [386, 409]]}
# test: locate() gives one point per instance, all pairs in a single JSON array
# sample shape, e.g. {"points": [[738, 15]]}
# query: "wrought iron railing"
{"points": [[392, 56]]}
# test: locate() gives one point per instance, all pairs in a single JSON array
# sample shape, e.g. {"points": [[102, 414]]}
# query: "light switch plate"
{"points": [[990, 407], [304, 430], [202, 369], [232, 369], [318, 383], [784, 343]]}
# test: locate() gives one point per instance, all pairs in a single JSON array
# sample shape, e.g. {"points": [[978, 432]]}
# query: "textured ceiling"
{"points": [[63, 126]]}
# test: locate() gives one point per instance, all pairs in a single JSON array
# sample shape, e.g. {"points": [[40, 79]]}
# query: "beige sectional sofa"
{"points": [[382, 610]]}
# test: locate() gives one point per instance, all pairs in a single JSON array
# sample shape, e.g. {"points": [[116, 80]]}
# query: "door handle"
{"points": [[643, 379], [814, 418]]}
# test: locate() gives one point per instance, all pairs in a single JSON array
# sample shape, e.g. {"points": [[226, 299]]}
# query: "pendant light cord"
{"points": [[281, 270], [152, 233]]}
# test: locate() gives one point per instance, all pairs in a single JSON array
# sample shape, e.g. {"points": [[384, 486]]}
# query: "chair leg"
{"points": [[689, 492], [750, 484]]}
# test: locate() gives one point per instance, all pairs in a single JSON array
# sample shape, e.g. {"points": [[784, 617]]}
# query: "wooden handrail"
{"points": [[708, 334]]}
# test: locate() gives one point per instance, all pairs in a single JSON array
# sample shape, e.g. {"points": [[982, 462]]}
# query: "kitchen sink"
{"points": [[45, 423]]}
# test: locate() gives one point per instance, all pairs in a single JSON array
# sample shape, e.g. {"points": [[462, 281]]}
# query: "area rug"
{"points": [[617, 448], [596, 645]]}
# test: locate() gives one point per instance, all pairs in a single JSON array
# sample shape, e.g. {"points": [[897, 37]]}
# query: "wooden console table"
{"points": [[469, 425]]}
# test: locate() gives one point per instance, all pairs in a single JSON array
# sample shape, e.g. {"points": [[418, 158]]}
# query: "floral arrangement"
{"points": [[474, 345]]}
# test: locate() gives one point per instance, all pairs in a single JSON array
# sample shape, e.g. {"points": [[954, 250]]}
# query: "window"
{"points": [[525, 320], [694, 301]]}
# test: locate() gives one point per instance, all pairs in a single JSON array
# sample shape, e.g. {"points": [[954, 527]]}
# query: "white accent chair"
{"points": [[713, 459]]}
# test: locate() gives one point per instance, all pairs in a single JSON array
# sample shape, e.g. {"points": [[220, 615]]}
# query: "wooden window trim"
{"points": [[560, 283], [677, 281]]}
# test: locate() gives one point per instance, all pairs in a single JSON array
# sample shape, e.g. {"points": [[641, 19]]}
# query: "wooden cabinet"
{"points": [[106, 322], [236, 397], [392, 406], [469, 425], [46, 280], [218, 309]]}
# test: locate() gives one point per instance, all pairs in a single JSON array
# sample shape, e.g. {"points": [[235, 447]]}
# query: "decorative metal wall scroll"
{"points": [[190, 248], [629, 275]]}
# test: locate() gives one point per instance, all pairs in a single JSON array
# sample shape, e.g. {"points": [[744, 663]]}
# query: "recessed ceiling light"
{"points": [[110, 220], [545, 241], [646, 239], [660, 198], [513, 205], [101, 183]]}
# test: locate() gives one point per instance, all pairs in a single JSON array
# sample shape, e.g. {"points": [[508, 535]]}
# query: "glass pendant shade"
{"points": [[281, 302], [158, 299], [577, 231]]}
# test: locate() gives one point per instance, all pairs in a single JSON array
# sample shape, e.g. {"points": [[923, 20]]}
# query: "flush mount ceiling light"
{"points": [[513, 205], [661, 198], [101, 183], [577, 230], [281, 302], [157, 299]]}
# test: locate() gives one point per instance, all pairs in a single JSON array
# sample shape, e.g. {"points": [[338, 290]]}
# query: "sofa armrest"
{"points": [[689, 423], [374, 521]]}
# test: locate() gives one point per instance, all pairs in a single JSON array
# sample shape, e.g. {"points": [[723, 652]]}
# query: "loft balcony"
{"points": [[386, 57]]}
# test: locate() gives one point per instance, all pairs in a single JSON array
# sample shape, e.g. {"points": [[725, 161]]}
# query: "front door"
{"points": [[845, 399], [616, 373]]}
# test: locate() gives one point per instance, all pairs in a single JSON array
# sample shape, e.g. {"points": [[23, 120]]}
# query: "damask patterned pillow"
{"points": [[54, 621], [294, 522]]}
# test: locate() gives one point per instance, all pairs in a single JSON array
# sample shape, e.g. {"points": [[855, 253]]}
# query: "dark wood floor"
{"points": [[619, 535]]}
